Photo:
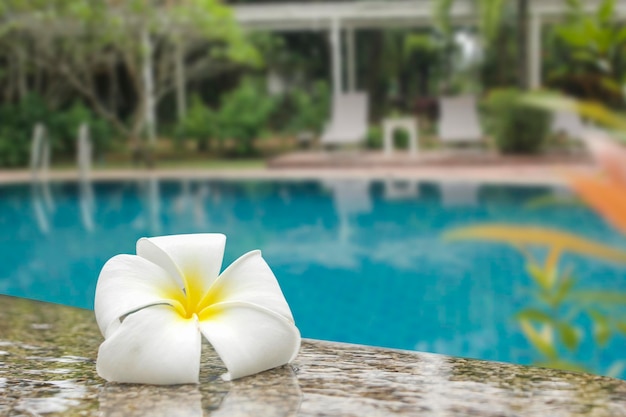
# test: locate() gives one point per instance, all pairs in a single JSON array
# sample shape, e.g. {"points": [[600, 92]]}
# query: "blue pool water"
{"points": [[358, 262]]}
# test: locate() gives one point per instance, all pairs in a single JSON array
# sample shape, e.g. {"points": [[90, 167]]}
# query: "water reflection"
{"points": [[351, 197], [401, 189], [191, 203], [150, 401], [272, 393], [86, 202], [66, 394], [43, 204], [459, 194], [149, 218]]}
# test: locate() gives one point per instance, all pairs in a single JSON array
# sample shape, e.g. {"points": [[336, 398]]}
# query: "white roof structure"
{"points": [[333, 16], [376, 13]]}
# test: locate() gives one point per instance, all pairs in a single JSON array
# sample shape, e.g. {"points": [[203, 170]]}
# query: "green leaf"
{"points": [[563, 290], [533, 314], [621, 36], [541, 340], [606, 11], [569, 335], [539, 275], [601, 329], [584, 56]]}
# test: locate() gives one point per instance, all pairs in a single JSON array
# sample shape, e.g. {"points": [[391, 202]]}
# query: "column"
{"points": [[335, 44], [534, 52], [351, 59]]}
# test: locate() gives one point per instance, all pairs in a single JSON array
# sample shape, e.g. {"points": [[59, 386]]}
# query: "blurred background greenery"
{"points": [[63, 60]]}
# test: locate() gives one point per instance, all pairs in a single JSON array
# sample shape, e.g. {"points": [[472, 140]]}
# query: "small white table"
{"points": [[407, 123]]}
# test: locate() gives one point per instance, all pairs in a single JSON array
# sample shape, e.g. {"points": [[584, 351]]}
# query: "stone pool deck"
{"points": [[47, 367], [429, 166]]}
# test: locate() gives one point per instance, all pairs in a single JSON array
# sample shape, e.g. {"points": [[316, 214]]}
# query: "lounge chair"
{"points": [[458, 121], [348, 123]]}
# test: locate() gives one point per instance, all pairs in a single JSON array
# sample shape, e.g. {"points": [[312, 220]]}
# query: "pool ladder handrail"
{"points": [[40, 153], [40, 167]]}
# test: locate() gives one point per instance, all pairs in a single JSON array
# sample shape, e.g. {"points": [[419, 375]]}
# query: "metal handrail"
{"points": [[40, 153]]}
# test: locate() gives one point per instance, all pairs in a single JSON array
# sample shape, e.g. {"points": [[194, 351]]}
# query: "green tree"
{"points": [[106, 51]]}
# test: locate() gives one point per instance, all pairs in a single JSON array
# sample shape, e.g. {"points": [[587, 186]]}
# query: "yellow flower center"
{"points": [[194, 299]]}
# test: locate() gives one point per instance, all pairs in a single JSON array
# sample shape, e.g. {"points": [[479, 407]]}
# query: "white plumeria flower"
{"points": [[153, 307]]}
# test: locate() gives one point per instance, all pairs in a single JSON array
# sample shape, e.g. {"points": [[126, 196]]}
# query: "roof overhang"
{"points": [[376, 14]]}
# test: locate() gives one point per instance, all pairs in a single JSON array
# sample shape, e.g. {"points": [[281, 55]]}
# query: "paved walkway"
{"points": [[490, 169]]}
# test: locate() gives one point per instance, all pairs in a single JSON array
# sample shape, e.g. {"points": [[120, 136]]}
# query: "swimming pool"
{"points": [[358, 261]]}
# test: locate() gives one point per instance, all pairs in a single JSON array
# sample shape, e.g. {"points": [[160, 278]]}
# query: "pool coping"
{"points": [[48, 356], [553, 174]]}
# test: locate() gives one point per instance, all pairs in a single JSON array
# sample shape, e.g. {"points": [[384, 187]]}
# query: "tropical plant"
{"points": [[516, 126], [243, 116], [589, 53], [310, 109], [199, 124], [492, 14], [19, 120], [560, 314]]}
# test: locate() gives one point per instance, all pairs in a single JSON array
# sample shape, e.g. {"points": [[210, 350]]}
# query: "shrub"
{"points": [[243, 116], [374, 138], [63, 128], [515, 126], [19, 120], [199, 124], [311, 109]]}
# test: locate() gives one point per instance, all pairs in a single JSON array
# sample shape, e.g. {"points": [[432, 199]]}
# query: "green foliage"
{"points": [[64, 125], [560, 316], [199, 124], [310, 109], [243, 116], [374, 138], [560, 311], [516, 126], [490, 16], [589, 49], [19, 121]]}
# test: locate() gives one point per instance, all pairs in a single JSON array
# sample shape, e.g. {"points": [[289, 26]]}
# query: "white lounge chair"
{"points": [[458, 121], [348, 123]]}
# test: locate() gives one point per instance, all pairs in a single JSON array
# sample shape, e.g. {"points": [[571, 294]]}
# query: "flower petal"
{"points": [[249, 338], [194, 259], [152, 346], [129, 283], [250, 279]]}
